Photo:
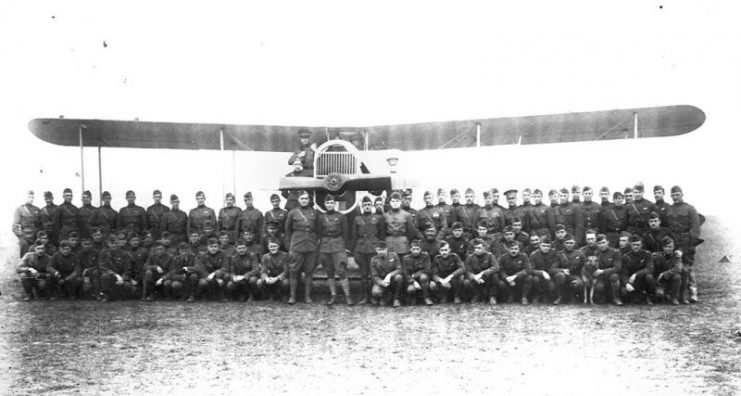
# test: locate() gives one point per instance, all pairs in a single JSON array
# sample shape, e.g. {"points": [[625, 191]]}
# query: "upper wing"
{"points": [[558, 128]]}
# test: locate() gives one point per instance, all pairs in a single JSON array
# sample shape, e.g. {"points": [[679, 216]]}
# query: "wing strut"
{"points": [[635, 125], [82, 159]]}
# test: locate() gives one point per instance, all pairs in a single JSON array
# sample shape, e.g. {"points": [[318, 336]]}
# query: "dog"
{"points": [[587, 275]]}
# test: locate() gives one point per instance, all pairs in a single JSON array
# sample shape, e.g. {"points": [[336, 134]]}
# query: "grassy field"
{"points": [[134, 348]]}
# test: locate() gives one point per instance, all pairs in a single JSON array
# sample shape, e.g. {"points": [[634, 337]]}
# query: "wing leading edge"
{"points": [[558, 128]]}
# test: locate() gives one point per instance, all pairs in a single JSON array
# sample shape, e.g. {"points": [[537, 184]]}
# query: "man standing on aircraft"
{"points": [[684, 224], [175, 222], [26, 223], [333, 231], [301, 232], [155, 214], [198, 215], [276, 214], [132, 217], [305, 152], [367, 230], [66, 217], [228, 217], [85, 211], [399, 227], [104, 217], [47, 215], [569, 214]]}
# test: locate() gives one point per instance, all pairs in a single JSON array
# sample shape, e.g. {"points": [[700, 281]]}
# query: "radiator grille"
{"points": [[335, 162]]}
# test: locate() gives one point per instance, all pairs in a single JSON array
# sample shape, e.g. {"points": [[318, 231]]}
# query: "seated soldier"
{"points": [[542, 261], [201, 276], [115, 271], [272, 230], [637, 271], [74, 242], [166, 239], [567, 276], [252, 245], [668, 272], [417, 272], [242, 274], [514, 269], [447, 275], [88, 259], [157, 264], [34, 278], [139, 256], [175, 280], [208, 232], [482, 274], [386, 276], [482, 233], [65, 270], [273, 280], [457, 240], [624, 242]]}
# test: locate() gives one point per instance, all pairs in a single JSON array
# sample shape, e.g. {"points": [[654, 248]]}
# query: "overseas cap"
{"points": [[676, 189]]}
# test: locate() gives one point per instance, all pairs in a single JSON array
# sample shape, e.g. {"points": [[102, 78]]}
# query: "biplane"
{"points": [[341, 153]]}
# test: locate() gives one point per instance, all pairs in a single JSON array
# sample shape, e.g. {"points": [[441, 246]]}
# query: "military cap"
{"points": [[223, 233], [174, 197], [38, 243], [666, 241], [300, 193], [537, 191], [427, 194], [87, 193], [494, 191], [456, 225], [304, 133], [366, 199], [329, 198], [395, 195], [41, 234], [586, 188], [130, 192], [428, 225], [625, 234], [48, 194], [409, 190], [229, 195], [590, 231], [67, 191], [72, 234], [112, 239], [213, 241], [604, 189], [546, 239], [653, 215], [85, 239], [105, 194], [440, 191], [406, 194], [130, 235], [564, 190], [553, 192], [482, 223], [95, 229], [508, 229], [155, 192], [469, 191], [478, 241], [166, 235], [486, 194], [273, 240], [638, 187], [378, 199], [635, 238], [628, 190], [65, 243], [676, 189], [601, 237], [208, 223], [272, 222], [569, 237], [199, 193], [454, 191], [574, 189], [658, 188], [560, 227], [183, 246], [617, 194], [248, 231], [381, 245], [159, 243], [510, 192], [527, 190], [248, 194], [240, 242], [274, 197], [415, 243]]}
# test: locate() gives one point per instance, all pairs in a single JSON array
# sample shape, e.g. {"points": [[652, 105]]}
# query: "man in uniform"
{"points": [[624, 243], [203, 275], [567, 276], [614, 219], [520, 236], [468, 214], [250, 218], [604, 196], [534, 245], [455, 199], [175, 221], [590, 210], [276, 214], [434, 215], [379, 206], [569, 214], [482, 233], [638, 211], [406, 205], [333, 230], [47, 215], [543, 262], [637, 271], [175, 280], [628, 194], [684, 224], [305, 152], [668, 271], [291, 196], [104, 217], [514, 270], [33, 272], [442, 204], [417, 268], [507, 241], [429, 242], [198, 215], [525, 209], [608, 274], [367, 230], [492, 215], [274, 271], [482, 274], [540, 217], [553, 198], [157, 264], [457, 240], [66, 217], [242, 274], [575, 193], [132, 217], [656, 233], [139, 257], [65, 271], [228, 217], [560, 239], [513, 211], [155, 214], [115, 268], [85, 212], [301, 232], [26, 223], [386, 273], [399, 227], [661, 206], [447, 274]]}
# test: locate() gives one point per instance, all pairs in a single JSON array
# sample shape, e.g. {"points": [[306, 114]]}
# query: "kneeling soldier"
{"points": [[115, 271], [609, 262], [668, 272], [175, 280], [33, 272], [514, 269], [157, 264], [274, 271], [386, 275], [482, 274], [65, 269], [543, 261], [243, 273], [637, 271], [568, 275], [203, 275], [447, 274], [417, 272]]}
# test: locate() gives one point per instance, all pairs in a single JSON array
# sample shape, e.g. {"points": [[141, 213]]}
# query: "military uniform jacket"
{"points": [[38, 262], [610, 260], [547, 261], [301, 230], [175, 222], [179, 262], [639, 263], [84, 213], [333, 230], [154, 217], [367, 230], [399, 223], [514, 265], [274, 265], [449, 212], [574, 262], [637, 212], [571, 217], [163, 261], [139, 259], [47, 217], [103, 217], [541, 217], [652, 239], [415, 265], [684, 223], [502, 249], [208, 263], [468, 215], [494, 218], [591, 215], [247, 265], [277, 215], [458, 246], [661, 208], [228, 219], [197, 216], [26, 221], [380, 267], [445, 266], [308, 159], [88, 257], [133, 215], [478, 263], [512, 213], [431, 247], [525, 210], [490, 245], [116, 260], [667, 264], [434, 215], [613, 219], [66, 216], [65, 265], [250, 219]]}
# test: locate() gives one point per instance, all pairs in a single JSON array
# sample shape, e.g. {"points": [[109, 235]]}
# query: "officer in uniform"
{"points": [[198, 215], [684, 224], [559, 240], [575, 194], [656, 233], [305, 152], [608, 274], [661, 206], [604, 196], [525, 209], [387, 276], [668, 272], [291, 196], [208, 272], [115, 268], [614, 219], [250, 218], [228, 217], [174, 282], [628, 194], [367, 230], [175, 221], [274, 271], [429, 242], [468, 214], [434, 215], [242, 274], [520, 236], [26, 223], [534, 245], [132, 217], [442, 204], [482, 274], [447, 274], [155, 214], [490, 242], [301, 232], [47, 215], [157, 264], [85, 211], [637, 271], [540, 217], [570, 215], [553, 198], [33, 272], [334, 231], [417, 268], [378, 205], [543, 262], [507, 241], [399, 227], [513, 211], [638, 211], [590, 210], [276, 214], [65, 271], [492, 215], [567, 276], [514, 270], [457, 240], [104, 217], [66, 217]]}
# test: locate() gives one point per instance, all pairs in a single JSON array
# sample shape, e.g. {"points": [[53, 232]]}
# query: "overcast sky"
{"points": [[353, 63]]}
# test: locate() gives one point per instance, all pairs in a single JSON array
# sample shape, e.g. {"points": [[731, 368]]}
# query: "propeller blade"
{"points": [[300, 183]]}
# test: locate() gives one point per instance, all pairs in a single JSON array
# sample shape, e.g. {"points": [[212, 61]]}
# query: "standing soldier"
{"points": [[434, 215], [104, 217], [66, 217], [155, 214], [305, 152], [637, 270], [684, 224], [569, 214], [604, 196], [614, 219], [590, 210], [85, 212], [228, 217], [200, 214], [33, 272], [47, 215], [513, 211], [638, 212], [540, 217], [628, 194], [575, 193], [274, 271], [399, 227], [442, 203], [301, 232], [26, 223], [132, 217], [174, 281], [175, 222], [525, 209], [514, 270], [250, 219], [447, 274], [608, 274], [661, 206], [482, 274], [367, 230], [406, 205], [379, 206], [275, 214], [417, 272], [333, 231], [386, 273], [553, 198], [468, 214], [492, 215]]}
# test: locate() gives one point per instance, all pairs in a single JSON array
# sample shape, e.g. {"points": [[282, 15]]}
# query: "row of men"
{"points": [[315, 237]]}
